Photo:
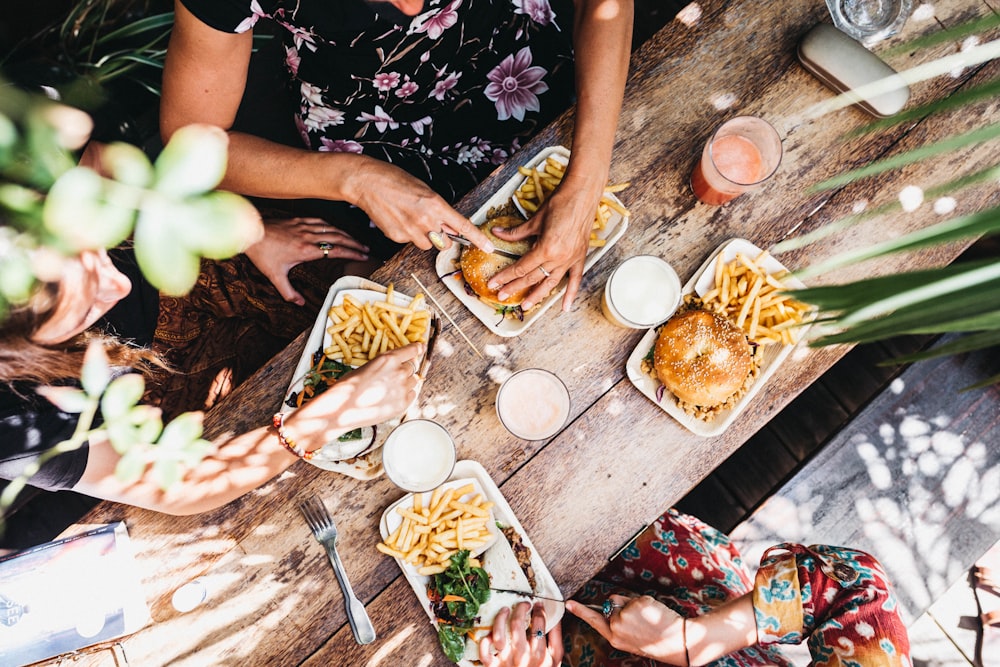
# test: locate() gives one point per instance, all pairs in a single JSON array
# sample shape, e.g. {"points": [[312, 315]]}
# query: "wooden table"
{"points": [[621, 460]]}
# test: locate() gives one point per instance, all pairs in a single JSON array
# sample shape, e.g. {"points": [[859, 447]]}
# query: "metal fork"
{"points": [[325, 531]]}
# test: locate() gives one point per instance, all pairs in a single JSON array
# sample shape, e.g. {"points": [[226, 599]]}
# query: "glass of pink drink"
{"points": [[743, 153]]}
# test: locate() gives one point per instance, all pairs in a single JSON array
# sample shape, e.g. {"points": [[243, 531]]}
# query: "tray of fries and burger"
{"points": [[735, 327], [359, 320], [466, 557], [466, 271]]}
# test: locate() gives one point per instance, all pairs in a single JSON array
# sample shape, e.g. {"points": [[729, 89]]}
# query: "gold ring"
{"points": [[544, 272], [436, 239]]}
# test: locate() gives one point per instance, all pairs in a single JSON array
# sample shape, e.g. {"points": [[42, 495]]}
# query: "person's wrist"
{"points": [[350, 177]]}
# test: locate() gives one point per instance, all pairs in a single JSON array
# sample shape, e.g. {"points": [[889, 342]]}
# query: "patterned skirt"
{"points": [[229, 325], [682, 562]]}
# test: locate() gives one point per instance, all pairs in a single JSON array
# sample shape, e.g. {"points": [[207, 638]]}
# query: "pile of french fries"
{"points": [[361, 331], [429, 535], [544, 179], [756, 301]]}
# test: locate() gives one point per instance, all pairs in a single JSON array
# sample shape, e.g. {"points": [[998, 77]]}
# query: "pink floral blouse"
{"points": [[446, 95]]}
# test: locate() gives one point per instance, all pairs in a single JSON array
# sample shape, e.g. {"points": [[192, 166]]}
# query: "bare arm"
{"points": [[602, 40], [645, 627], [380, 390], [203, 81]]}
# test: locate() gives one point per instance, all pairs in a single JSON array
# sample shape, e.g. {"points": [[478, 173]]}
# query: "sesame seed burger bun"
{"points": [[702, 358], [478, 266]]}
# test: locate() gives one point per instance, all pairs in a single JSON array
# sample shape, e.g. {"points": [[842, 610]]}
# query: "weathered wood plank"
{"points": [[912, 480], [622, 460]]}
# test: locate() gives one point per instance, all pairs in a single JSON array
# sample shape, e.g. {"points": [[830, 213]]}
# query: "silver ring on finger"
{"points": [[413, 365], [609, 608], [544, 272], [436, 239], [326, 247], [539, 633]]}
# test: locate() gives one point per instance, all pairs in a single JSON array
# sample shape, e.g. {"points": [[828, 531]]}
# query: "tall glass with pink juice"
{"points": [[742, 153]]}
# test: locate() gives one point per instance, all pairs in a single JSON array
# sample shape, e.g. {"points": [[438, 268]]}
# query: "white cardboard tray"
{"points": [[504, 326], [362, 289], [545, 585], [772, 356]]}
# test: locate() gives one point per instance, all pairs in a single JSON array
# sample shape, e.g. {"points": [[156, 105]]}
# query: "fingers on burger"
{"points": [[478, 267], [704, 360]]}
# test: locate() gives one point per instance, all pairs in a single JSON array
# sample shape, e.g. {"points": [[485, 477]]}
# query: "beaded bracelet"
{"points": [[278, 422]]}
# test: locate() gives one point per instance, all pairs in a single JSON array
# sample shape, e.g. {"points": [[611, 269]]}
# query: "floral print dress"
{"points": [[835, 599], [447, 95]]}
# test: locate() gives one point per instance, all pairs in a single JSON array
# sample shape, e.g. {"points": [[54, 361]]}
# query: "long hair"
{"points": [[22, 360]]}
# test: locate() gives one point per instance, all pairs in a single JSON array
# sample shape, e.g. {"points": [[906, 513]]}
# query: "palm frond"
{"points": [[982, 223], [979, 135], [985, 91], [830, 228], [953, 34], [967, 343]]}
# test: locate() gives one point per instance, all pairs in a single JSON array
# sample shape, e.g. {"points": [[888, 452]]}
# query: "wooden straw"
{"points": [[445, 313]]}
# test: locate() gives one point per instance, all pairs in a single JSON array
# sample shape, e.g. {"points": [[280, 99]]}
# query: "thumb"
{"points": [[591, 617], [522, 231], [286, 290]]}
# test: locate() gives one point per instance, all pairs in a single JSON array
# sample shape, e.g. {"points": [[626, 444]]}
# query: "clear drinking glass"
{"points": [[533, 404], [740, 155], [419, 455], [869, 21], [642, 292]]}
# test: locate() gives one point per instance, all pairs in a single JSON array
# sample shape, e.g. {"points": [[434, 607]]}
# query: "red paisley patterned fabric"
{"points": [[837, 600]]}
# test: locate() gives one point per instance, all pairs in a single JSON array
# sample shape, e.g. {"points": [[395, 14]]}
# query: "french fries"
{"points": [[541, 183], [754, 300], [430, 534], [361, 331]]}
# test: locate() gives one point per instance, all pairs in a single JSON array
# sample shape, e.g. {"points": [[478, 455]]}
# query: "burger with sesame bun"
{"points": [[703, 359], [478, 266]]}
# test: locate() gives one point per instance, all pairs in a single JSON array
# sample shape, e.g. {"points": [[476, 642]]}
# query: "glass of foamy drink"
{"points": [[742, 153], [533, 404], [419, 455], [642, 292]]}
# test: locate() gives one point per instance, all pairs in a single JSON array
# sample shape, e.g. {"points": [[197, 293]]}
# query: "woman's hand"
{"points": [[291, 241], [510, 645], [563, 225], [380, 390], [407, 210], [641, 626]]}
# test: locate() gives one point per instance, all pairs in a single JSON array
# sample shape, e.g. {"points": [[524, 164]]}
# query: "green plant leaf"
{"points": [[956, 100], [96, 373], [162, 256], [219, 225], [182, 431], [196, 451], [961, 345], [131, 466], [975, 225], [979, 135], [167, 472], [193, 161], [127, 164], [16, 278], [68, 399], [122, 395], [79, 212], [123, 436], [162, 22], [148, 423]]}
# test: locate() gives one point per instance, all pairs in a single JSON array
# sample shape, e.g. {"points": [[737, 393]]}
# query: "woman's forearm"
{"points": [[602, 42], [722, 631]]}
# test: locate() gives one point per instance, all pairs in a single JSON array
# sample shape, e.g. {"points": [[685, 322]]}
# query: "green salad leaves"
{"points": [[456, 595]]}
